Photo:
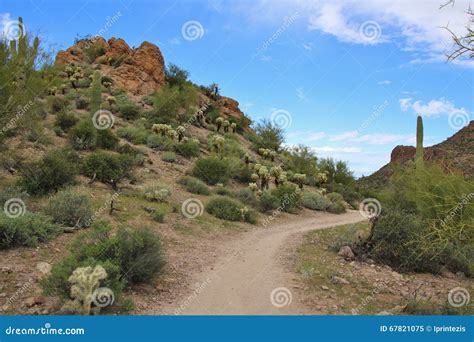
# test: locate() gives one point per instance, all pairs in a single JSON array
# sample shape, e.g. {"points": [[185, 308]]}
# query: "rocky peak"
{"points": [[140, 71]]}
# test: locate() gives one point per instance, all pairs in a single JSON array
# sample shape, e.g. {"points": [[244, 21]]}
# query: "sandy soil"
{"points": [[249, 277]]}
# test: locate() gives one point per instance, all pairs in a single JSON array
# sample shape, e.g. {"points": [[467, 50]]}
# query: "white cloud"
{"points": [[308, 46], [384, 82], [431, 109], [5, 20], [344, 136], [332, 149], [265, 58]]}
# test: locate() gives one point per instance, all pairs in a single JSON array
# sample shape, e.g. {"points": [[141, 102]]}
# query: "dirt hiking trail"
{"points": [[249, 277]]}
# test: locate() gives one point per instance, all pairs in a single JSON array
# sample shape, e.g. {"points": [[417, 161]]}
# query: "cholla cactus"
{"points": [[85, 281], [243, 212], [74, 78], [276, 172], [63, 88], [283, 178], [217, 143], [264, 177], [273, 154], [257, 167], [226, 125], [161, 129], [299, 178], [322, 177], [253, 186], [247, 158], [219, 122], [254, 177], [267, 153], [180, 130], [171, 133], [107, 84], [233, 125], [52, 91], [111, 100]]}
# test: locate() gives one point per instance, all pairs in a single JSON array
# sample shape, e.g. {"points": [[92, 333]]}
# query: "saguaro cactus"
{"points": [[96, 92], [419, 143]]}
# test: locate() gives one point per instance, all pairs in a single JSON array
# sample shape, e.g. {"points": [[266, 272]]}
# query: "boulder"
{"points": [[346, 253]]}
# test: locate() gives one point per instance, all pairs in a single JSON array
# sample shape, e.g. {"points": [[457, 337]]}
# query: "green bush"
{"points": [[106, 167], [57, 104], [66, 120], [26, 230], [160, 143], [314, 201], [194, 185], [212, 170], [10, 192], [247, 197], [268, 135], [106, 139], [83, 136], [288, 196], [82, 103], [70, 209], [159, 216], [156, 193], [189, 148], [229, 209], [134, 156], [52, 172], [241, 172], [336, 208], [268, 202], [129, 110], [135, 134], [222, 190], [168, 156], [131, 256]]}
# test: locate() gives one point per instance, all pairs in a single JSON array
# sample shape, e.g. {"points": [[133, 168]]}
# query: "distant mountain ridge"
{"points": [[455, 153]]}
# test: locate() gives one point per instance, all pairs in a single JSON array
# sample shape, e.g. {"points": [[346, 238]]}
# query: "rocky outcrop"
{"points": [[140, 71]]}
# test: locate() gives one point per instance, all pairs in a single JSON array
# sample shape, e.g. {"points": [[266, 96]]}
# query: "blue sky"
{"points": [[343, 77]]}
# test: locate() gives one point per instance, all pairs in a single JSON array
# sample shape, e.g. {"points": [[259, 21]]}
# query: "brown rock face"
{"points": [[402, 153], [140, 73]]}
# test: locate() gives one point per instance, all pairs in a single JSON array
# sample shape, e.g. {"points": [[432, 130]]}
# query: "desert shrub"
{"points": [[130, 256], [194, 185], [189, 148], [430, 211], [268, 135], [232, 148], [93, 51], [81, 103], [212, 170], [106, 139], [83, 136], [134, 155], [170, 102], [289, 197], [160, 143], [314, 201], [229, 209], [135, 134], [148, 100], [26, 230], [222, 190], [158, 215], [57, 104], [105, 166], [168, 156], [301, 159], [176, 76], [10, 192], [247, 197], [70, 209], [336, 207], [156, 193], [241, 172], [55, 170], [268, 202], [66, 120], [129, 110]]}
